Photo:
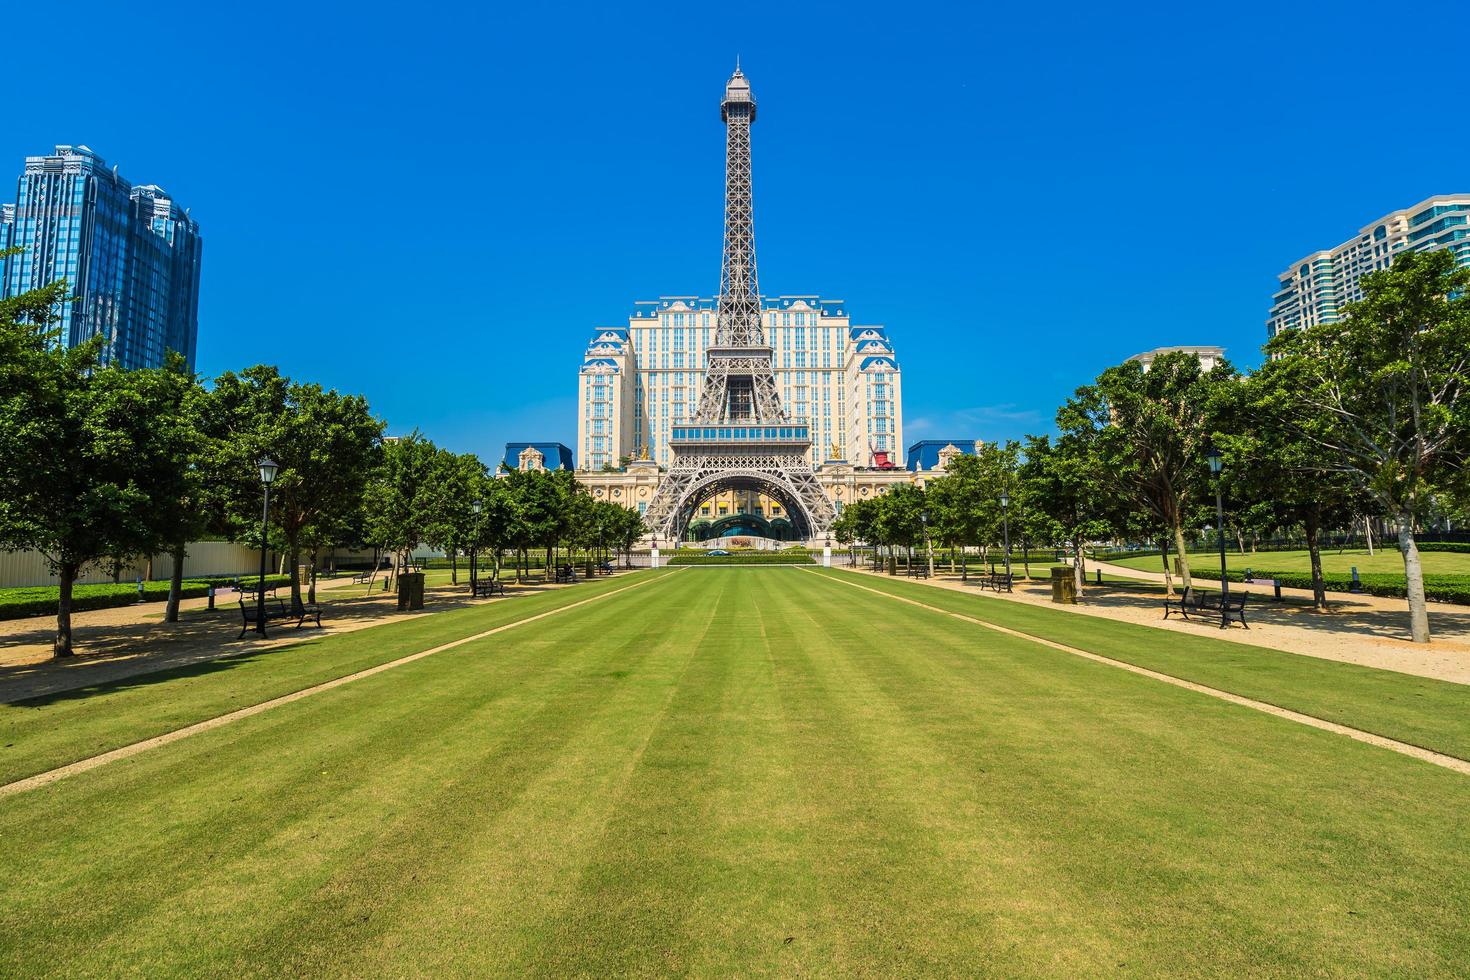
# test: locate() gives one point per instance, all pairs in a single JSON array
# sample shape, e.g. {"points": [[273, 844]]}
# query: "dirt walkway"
{"points": [[1365, 630], [115, 643]]}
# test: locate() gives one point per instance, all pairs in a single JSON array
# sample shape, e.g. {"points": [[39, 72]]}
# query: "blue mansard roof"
{"points": [[558, 457], [924, 454], [878, 361]]}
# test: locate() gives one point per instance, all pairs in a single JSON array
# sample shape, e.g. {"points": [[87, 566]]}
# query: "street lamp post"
{"points": [[268, 470], [928, 550], [1005, 521], [475, 546], [1212, 456]]}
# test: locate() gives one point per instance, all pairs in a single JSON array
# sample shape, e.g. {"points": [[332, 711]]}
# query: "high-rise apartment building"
{"points": [[130, 254], [840, 380], [1315, 288]]}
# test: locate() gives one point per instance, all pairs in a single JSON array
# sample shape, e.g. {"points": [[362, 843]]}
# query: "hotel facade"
{"points": [[1314, 289], [840, 379]]}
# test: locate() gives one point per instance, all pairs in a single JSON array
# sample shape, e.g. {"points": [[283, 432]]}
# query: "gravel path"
{"points": [[1365, 630]]}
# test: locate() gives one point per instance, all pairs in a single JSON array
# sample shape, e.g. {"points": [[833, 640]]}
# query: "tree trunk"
{"points": [[315, 559], [175, 586], [1079, 567], [293, 555], [66, 575], [1368, 534], [1314, 549], [1184, 578], [453, 566], [1414, 580], [1168, 573]]}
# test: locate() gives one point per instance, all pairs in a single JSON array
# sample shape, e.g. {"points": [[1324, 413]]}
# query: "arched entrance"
{"points": [[797, 523]]}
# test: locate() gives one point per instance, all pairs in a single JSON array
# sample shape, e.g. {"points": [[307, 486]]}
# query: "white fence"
{"points": [[22, 568]]}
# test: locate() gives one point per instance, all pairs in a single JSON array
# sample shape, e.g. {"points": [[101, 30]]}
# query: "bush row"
{"points": [[41, 600], [745, 558], [1450, 547], [1438, 588]]}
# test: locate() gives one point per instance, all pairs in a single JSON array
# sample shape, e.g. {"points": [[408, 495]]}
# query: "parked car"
{"points": [[716, 552]]}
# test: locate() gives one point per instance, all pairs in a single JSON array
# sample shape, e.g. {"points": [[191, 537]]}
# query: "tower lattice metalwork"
{"points": [[739, 436]]}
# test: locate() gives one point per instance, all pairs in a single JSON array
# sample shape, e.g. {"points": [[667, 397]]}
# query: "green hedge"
{"points": [[41, 600], [271, 581], [1438, 588], [1453, 547], [745, 558]]}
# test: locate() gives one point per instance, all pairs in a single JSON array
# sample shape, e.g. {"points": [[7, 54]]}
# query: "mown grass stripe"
{"points": [[1404, 748], [127, 751]]}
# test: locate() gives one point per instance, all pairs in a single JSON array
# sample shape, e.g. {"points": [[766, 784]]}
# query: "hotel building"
{"points": [[840, 379], [1314, 289]]}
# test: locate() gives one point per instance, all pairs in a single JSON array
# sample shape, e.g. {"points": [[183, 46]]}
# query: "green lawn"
{"points": [[730, 771], [1385, 560]]}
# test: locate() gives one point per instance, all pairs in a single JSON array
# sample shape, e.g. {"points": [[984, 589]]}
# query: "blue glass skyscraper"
{"points": [[130, 254]]}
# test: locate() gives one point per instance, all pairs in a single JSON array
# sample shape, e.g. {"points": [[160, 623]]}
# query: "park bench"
{"points": [[565, 574], [1001, 581], [1233, 610], [918, 571], [1190, 601], [251, 586], [277, 612], [486, 587], [605, 568]]}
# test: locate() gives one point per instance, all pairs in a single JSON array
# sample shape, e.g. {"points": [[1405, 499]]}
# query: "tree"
{"points": [[1383, 393], [1151, 427], [455, 483], [325, 443], [898, 520], [1066, 486], [1272, 474], [89, 455], [180, 498], [401, 497], [540, 503]]}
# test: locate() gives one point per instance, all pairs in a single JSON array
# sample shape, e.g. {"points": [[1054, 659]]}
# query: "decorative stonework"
{"points": [[532, 458]]}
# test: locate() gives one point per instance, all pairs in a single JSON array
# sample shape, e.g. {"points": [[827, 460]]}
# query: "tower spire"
{"points": [[739, 309], [740, 436]]}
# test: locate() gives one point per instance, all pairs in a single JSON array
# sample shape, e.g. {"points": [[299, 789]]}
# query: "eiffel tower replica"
{"points": [[740, 437]]}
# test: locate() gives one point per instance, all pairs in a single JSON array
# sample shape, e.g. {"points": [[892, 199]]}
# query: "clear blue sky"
{"points": [[433, 204]]}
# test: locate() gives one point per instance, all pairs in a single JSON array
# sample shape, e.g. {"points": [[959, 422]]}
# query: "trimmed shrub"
{"points": [[41, 600], [1438, 588], [745, 558], [218, 581]]}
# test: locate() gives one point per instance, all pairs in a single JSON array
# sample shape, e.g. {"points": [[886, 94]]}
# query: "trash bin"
{"points": [[410, 591], [1063, 585]]}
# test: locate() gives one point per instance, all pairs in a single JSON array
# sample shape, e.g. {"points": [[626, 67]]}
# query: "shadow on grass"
{"points": [[150, 651]]}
